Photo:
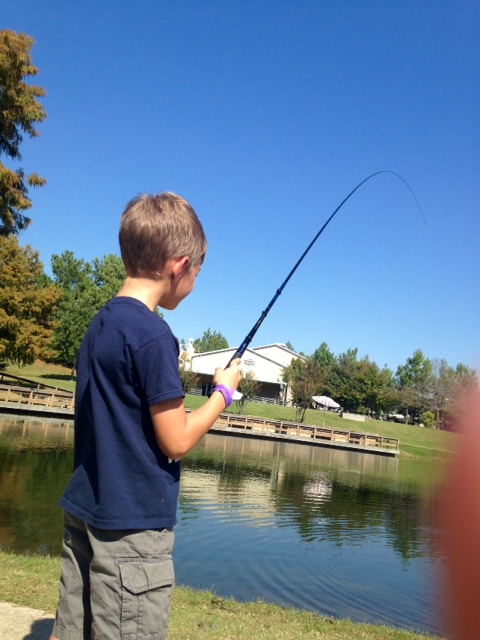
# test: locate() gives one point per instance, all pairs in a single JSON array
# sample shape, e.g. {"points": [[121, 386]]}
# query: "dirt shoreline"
{"points": [[23, 623]]}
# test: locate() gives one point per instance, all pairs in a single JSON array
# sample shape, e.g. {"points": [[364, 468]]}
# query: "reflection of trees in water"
{"points": [[334, 504], [325, 494], [354, 513], [32, 481]]}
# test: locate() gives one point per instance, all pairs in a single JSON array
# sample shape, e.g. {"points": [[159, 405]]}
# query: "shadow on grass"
{"points": [[65, 377]]}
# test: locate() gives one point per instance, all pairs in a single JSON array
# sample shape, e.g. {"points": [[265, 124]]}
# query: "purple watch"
{"points": [[227, 393]]}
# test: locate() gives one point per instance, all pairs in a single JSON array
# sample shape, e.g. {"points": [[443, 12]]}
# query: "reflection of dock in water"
{"points": [[60, 404]]}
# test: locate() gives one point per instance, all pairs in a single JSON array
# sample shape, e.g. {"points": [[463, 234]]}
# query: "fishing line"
{"points": [[249, 337]]}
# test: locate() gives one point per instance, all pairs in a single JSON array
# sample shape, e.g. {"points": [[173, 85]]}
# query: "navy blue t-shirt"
{"points": [[128, 361]]}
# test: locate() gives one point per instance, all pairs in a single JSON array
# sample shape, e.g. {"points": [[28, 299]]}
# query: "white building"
{"points": [[267, 362]]}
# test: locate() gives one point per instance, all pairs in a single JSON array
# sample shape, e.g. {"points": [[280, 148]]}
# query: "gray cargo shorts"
{"points": [[115, 585]]}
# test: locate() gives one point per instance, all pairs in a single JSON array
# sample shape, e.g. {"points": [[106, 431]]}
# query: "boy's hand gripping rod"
{"points": [[243, 347]]}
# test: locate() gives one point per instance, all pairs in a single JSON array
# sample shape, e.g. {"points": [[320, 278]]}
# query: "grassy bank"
{"points": [[414, 441], [42, 373], [32, 581]]}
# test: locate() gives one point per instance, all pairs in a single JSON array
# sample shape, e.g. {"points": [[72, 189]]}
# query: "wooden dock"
{"points": [[50, 402], [250, 426], [57, 403]]}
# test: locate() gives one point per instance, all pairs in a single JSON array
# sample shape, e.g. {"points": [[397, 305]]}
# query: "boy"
{"points": [[131, 428]]}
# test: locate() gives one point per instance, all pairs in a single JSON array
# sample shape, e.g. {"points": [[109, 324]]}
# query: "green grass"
{"points": [[414, 441], [32, 581], [49, 374]]}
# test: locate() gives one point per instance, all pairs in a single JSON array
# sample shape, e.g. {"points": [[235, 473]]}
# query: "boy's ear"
{"points": [[180, 266]]}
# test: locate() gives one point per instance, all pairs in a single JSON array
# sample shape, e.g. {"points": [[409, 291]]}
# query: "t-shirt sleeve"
{"points": [[156, 364]]}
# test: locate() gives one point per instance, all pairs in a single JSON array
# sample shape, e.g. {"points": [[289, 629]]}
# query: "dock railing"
{"points": [[44, 397], [303, 431]]}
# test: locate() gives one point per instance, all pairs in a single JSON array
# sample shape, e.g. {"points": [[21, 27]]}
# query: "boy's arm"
{"points": [[177, 431]]}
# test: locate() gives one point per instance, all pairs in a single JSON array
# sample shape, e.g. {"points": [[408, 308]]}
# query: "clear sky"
{"points": [[265, 115]]}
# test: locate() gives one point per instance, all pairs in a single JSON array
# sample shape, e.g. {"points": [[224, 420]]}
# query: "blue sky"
{"points": [[265, 115]]}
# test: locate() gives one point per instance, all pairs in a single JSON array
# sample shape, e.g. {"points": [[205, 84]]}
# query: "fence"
{"points": [[302, 432], [198, 392], [44, 397]]}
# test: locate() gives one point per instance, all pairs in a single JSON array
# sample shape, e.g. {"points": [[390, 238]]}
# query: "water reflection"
{"points": [[333, 531], [342, 496]]}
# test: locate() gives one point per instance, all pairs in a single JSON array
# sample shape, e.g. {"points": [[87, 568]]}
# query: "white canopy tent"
{"points": [[326, 403]]}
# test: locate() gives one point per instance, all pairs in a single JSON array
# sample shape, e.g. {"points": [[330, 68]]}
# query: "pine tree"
{"points": [[20, 111]]}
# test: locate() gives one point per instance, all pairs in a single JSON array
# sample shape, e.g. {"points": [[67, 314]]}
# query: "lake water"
{"points": [[336, 532]]}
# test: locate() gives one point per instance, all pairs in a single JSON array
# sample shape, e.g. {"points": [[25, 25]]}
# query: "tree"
{"points": [[76, 307], [359, 385], [465, 382], [20, 111], [294, 370], [325, 361], [440, 390], [305, 381], [413, 379], [85, 288], [428, 419], [343, 381], [189, 378], [324, 358], [108, 275], [27, 302], [249, 387], [386, 396], [210, 341], [303, 388]]}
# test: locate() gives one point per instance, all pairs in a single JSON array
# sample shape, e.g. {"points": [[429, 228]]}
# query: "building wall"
{"points": [[266, 370], [266, 362]]}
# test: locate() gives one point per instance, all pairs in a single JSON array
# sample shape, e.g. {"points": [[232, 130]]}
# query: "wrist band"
{"points": [[227, 393]]}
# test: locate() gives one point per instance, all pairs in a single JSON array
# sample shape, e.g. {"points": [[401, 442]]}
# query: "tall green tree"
{"points": [[20, 111], [210, 341], [27, 304], [325, 360], [76, 307], [108, 275], [413, 379], [343, 381], [376, 386], [324, 357], [85, 288]]}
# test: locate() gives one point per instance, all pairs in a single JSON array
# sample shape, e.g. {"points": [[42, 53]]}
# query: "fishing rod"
{"points": [[249, 337]]}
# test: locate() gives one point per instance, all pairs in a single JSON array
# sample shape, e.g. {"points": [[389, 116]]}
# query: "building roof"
{"points": [[267, 367]]}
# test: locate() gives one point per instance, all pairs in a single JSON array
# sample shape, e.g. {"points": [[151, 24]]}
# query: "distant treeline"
{"points": [[423, 391]]}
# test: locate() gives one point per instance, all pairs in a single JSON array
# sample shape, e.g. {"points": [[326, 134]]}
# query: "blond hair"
{"points": [[157, 228]]}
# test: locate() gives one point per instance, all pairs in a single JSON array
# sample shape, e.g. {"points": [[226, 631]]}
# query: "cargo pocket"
{"points": [[146, 593]]}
